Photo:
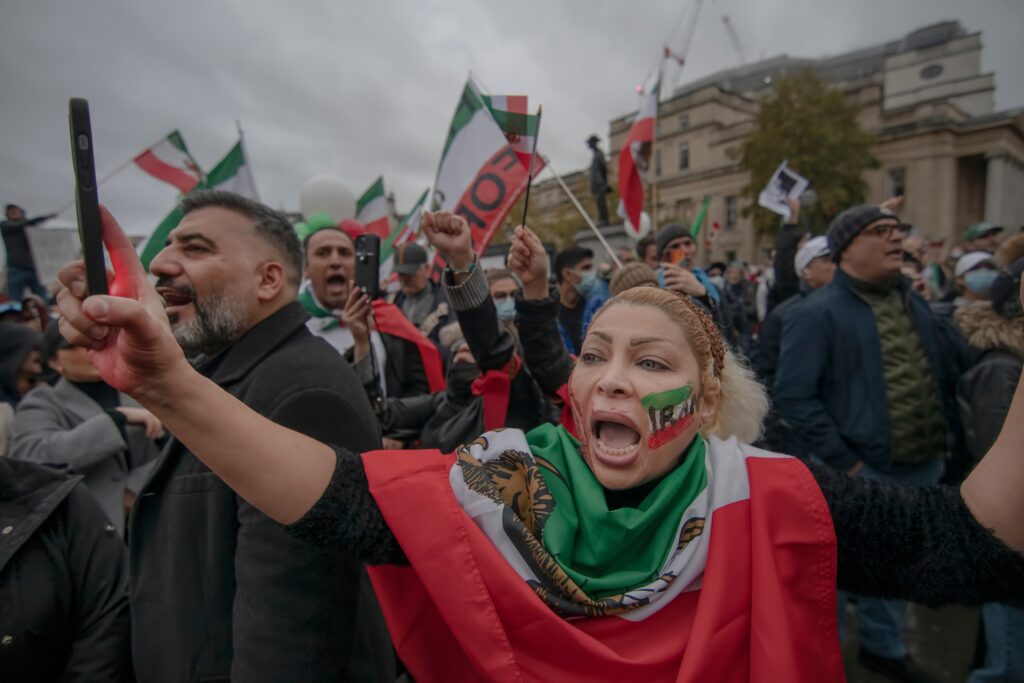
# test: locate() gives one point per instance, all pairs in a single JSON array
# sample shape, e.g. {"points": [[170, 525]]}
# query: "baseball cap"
{"points": [[980, 230], [969, 262], [409, 257], [812, 249]]}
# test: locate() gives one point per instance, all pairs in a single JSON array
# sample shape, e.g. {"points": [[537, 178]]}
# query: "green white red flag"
{"points": [[169, 160], [635, 160], [405, 231], [480, 175], [519, 126], [233, 174], [372, 210]]}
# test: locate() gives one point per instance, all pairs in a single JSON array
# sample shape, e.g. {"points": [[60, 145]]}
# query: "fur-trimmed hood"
{"points": [[986, 330]]}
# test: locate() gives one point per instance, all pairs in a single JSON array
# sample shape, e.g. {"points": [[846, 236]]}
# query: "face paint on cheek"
{"points": [[669, 413]]}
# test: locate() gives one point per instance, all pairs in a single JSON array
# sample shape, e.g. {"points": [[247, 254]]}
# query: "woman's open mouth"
{"points": [[616, 440]]}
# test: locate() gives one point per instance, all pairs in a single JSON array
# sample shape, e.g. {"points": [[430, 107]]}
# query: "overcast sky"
{"points": [[355, 90]]}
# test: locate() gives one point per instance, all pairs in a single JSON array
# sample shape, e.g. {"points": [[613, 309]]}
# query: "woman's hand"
{"points": [[143, 418], [528, 260], [449, 234], [356, 317], [127, 333]]}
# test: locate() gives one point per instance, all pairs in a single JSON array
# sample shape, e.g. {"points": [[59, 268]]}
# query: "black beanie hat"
{"points": [[667, 234], [849, 224]]}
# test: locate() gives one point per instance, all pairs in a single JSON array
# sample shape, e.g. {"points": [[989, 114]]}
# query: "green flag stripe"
{"points": [[514, 122], [699, 221], [159, 237], [388, 246], [469, 104], [666, 398], [227, 168], [376, 190]]}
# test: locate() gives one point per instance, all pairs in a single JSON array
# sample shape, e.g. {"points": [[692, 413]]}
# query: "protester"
{"points": [[716, 273], [677, 251], [201, 555], [421, 300], [625, 255], [975, 273], [995, 332], [84, 425], [490, 526], [19, 371], [330, 272], [816, 268], [866, 383], [982, 237], [741, 295], [504, 286], [21, 268], [63, 581], [577, 283], [786, 282], [635, 274], [647, 251]]}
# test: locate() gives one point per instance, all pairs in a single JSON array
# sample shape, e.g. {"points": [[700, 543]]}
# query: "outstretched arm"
{"points": [[281, 472]]}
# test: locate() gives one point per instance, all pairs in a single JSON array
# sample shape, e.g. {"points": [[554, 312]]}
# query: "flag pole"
{"points": [[653, 167], [586, 217], [533, 155], [67, 205]]}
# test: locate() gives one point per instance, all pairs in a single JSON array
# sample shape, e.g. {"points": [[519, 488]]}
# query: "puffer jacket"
{"points": [[985, 391]]}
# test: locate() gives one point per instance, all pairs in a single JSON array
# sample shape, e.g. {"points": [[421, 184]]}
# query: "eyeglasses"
{"points": [[885, 230]]}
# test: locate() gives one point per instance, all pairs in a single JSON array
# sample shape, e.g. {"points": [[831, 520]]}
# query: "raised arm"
{"points": [[281, 472]]}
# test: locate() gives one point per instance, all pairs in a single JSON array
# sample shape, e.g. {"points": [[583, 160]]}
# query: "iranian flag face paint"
{"points": [[669, 413]]}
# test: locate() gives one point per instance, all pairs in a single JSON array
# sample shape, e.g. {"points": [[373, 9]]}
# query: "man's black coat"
{"points": [[218, 590]]}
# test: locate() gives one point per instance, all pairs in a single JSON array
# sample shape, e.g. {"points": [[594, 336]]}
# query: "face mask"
{"points": [[587, 283], [460, 377], [980, 281], [506, 309], [718, 281]]}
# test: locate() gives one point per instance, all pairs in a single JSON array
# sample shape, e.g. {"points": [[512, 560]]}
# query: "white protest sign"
{"points": [[52, 249], [784, 184]]}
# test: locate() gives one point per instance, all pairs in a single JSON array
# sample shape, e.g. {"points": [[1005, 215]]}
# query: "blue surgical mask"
{"points": [[587, 283], [980, 281], [506, 309]]}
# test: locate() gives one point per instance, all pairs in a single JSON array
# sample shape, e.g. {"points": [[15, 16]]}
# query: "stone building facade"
{"points": [[939, 140]]}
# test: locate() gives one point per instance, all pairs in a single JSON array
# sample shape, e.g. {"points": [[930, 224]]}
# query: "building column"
{"points": [[995, 185]]}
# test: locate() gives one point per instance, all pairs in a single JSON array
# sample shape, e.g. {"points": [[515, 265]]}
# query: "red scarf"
{"points": [[390, 320], [495, 387]]}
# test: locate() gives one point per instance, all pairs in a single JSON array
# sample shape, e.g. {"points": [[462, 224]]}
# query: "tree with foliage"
{"points": [[813, 126]]}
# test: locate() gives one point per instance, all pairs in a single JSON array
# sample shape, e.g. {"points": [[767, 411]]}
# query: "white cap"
{"points": [[969, 262], [812, 249]]}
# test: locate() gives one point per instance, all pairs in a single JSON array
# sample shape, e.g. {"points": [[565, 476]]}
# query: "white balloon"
{"points": [[645, 226], [324, 194]]}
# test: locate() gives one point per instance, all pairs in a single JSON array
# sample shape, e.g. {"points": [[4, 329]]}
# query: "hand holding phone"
{"points": [[86, 199], [368, 264]]}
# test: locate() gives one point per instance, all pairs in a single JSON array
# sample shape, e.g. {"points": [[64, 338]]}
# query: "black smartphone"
{"points": [[368, 264], [86, 200]]}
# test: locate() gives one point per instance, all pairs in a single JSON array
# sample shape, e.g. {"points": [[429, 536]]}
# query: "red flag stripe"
{"points": [[173, 175]]}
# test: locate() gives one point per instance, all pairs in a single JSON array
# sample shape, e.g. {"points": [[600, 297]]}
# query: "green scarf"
{"points": [[608, 551], [309, 302]]}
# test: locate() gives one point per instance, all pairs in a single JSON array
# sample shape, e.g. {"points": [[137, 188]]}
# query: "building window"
{"points": [[730, 255], [730, 213], [897, 182], [931, 71], [684, 156], [684, 121], [657, 162]]}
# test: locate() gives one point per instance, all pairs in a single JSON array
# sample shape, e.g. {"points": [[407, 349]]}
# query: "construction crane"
{"points": [[734, 38]]}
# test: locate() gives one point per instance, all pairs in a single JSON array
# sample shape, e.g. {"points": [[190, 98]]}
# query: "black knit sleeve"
{"points": [[347, 516], [916, 543]]}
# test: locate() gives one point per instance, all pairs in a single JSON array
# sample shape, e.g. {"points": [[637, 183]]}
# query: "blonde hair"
{"points": [[742, 401]]}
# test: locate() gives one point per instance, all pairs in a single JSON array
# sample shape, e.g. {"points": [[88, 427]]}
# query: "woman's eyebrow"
{"points": [[640, 341], [602, 336]]}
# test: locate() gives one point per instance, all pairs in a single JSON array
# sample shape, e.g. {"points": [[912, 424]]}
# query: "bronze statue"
{"points": [[598, 180]]}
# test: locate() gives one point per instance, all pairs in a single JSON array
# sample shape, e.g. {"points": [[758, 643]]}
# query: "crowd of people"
{"points": [[562, 469]]}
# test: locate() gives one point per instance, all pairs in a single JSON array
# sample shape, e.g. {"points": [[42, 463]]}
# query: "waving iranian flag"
{"points": [[635, 159], [404, 232], [372, 210], [170, 161]]}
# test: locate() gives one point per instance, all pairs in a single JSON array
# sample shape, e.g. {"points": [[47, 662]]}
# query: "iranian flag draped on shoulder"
{"points": [[483, 170]]}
